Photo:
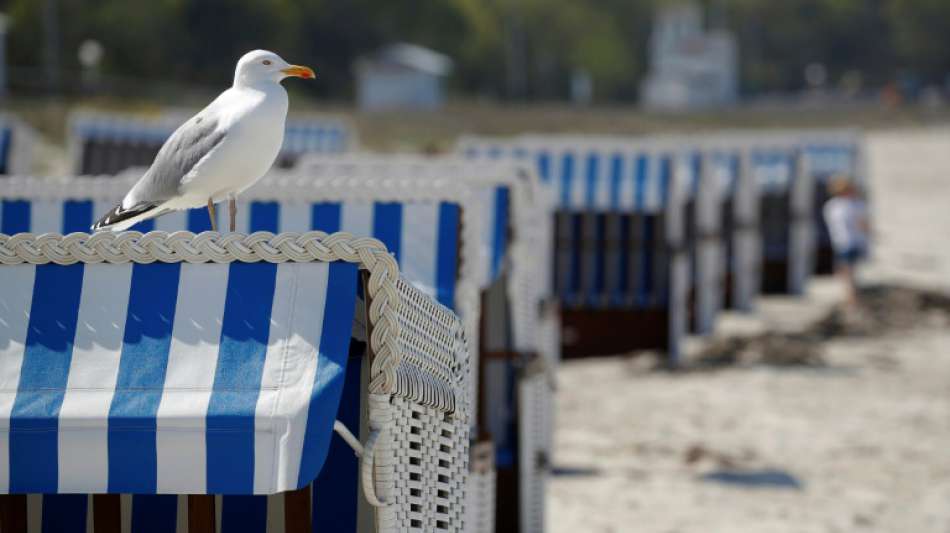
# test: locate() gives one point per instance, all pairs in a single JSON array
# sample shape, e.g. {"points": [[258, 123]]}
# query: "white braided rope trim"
{"points": [[183, 246]]}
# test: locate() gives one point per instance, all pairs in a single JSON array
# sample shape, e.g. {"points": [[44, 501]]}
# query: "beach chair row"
{"points": [[663, 232], [108, 143], [457, 230]]}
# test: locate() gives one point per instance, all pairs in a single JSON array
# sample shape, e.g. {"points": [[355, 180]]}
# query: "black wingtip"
{"points": [[117, 215]]}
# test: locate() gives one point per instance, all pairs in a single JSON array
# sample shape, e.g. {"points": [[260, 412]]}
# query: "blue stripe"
{"points": [[544, 166], [64, 513], [142, 365], [325, 217], [500, 231], [5, 137], [567, 176], [331, 368], [77, 216], [640, 171], [335, 491], [593, 162], [153, 513], [387, 226], [243, 513], [264, 216], [237, 380], [645, 288], [198, 220], [16, 217], [448, 251], [616, 178], [34, 448]]}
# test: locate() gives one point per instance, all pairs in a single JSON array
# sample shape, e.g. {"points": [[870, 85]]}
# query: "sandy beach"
{"points": [[849, 434]]}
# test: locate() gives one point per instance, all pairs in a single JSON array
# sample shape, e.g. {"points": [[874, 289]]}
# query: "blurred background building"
{"points": [[690, 67], [401, 76]]}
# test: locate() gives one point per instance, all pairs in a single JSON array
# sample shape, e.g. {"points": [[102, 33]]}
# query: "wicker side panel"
{"points": [[429, 456], [481, 489], [535, 426], [435, 363]]}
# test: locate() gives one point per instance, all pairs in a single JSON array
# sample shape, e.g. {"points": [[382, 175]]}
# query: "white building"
{"points": [[402, 76], [690, 67]]}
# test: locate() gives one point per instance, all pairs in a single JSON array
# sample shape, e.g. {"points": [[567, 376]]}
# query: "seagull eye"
{"points": [[267, 61]]}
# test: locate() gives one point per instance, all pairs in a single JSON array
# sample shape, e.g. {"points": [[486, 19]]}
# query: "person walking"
{"points": [[846, 216]]}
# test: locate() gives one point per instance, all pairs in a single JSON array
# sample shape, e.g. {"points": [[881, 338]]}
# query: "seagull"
{"points": [[219, 152]]}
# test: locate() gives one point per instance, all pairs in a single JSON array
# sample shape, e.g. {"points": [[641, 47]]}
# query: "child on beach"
{"points": [[846, 216]]}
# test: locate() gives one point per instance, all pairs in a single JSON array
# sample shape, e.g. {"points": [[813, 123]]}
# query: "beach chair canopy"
{"points": [[586, 174], [169, 377], [107, 143]]}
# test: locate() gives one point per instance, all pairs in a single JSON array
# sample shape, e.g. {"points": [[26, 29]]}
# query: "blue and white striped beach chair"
{"points": [[183, 383], [786, 218], [108, 143], [619, 246]]}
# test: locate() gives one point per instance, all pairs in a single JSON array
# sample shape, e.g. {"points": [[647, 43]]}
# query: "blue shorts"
{"points": [[851, 256]]}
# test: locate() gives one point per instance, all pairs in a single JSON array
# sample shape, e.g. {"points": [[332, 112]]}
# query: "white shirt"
{"points": [[846, 217]]}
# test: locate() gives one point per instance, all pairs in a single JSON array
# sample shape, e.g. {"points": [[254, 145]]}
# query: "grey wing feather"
{"points": [[191, 142]]}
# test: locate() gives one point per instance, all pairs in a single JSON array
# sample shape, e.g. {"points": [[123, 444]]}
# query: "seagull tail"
{"points": [[119, 219]]}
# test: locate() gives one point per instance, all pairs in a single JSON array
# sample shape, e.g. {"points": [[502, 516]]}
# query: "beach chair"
{"points": [[108, 143], [619, 249], [16, 146], [786, 215], [194, 384], [503, 216]]}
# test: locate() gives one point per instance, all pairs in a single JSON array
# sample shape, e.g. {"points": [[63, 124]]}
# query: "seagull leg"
{"points": [[211, 215], [232, 210]]}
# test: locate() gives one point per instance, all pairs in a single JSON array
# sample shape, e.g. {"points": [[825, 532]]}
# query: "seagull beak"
{"points": [[299, 71]]}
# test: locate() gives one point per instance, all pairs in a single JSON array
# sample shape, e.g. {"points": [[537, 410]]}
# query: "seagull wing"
{"points": [[188, 145], [192, 142]]}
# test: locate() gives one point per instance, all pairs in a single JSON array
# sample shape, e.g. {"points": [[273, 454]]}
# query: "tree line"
{"points": [[502, 49]]}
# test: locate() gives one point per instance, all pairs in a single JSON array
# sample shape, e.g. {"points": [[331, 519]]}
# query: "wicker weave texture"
{"points": [[535, 428]]}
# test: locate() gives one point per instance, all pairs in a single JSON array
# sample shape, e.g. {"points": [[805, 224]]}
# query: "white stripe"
{"points": [[629, 178], [266, 434], [291, 365], [189, 378], [420, 228], [242, 221], [294, 217], [357, 218], [651, 191], [46, 216], [578, 193], [93, 369], [174, 221], [16, 297]]}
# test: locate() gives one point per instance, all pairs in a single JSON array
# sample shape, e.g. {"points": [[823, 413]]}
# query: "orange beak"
{"points": [[299, 71]]}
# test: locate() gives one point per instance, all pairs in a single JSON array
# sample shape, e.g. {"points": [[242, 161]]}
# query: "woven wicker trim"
{"points": [[370, 254]]}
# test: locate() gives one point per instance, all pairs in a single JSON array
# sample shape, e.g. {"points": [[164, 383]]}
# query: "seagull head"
{"points": [[263, 66]]}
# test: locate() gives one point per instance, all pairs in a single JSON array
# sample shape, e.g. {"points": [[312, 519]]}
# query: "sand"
{"points": [[853, 437]]}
